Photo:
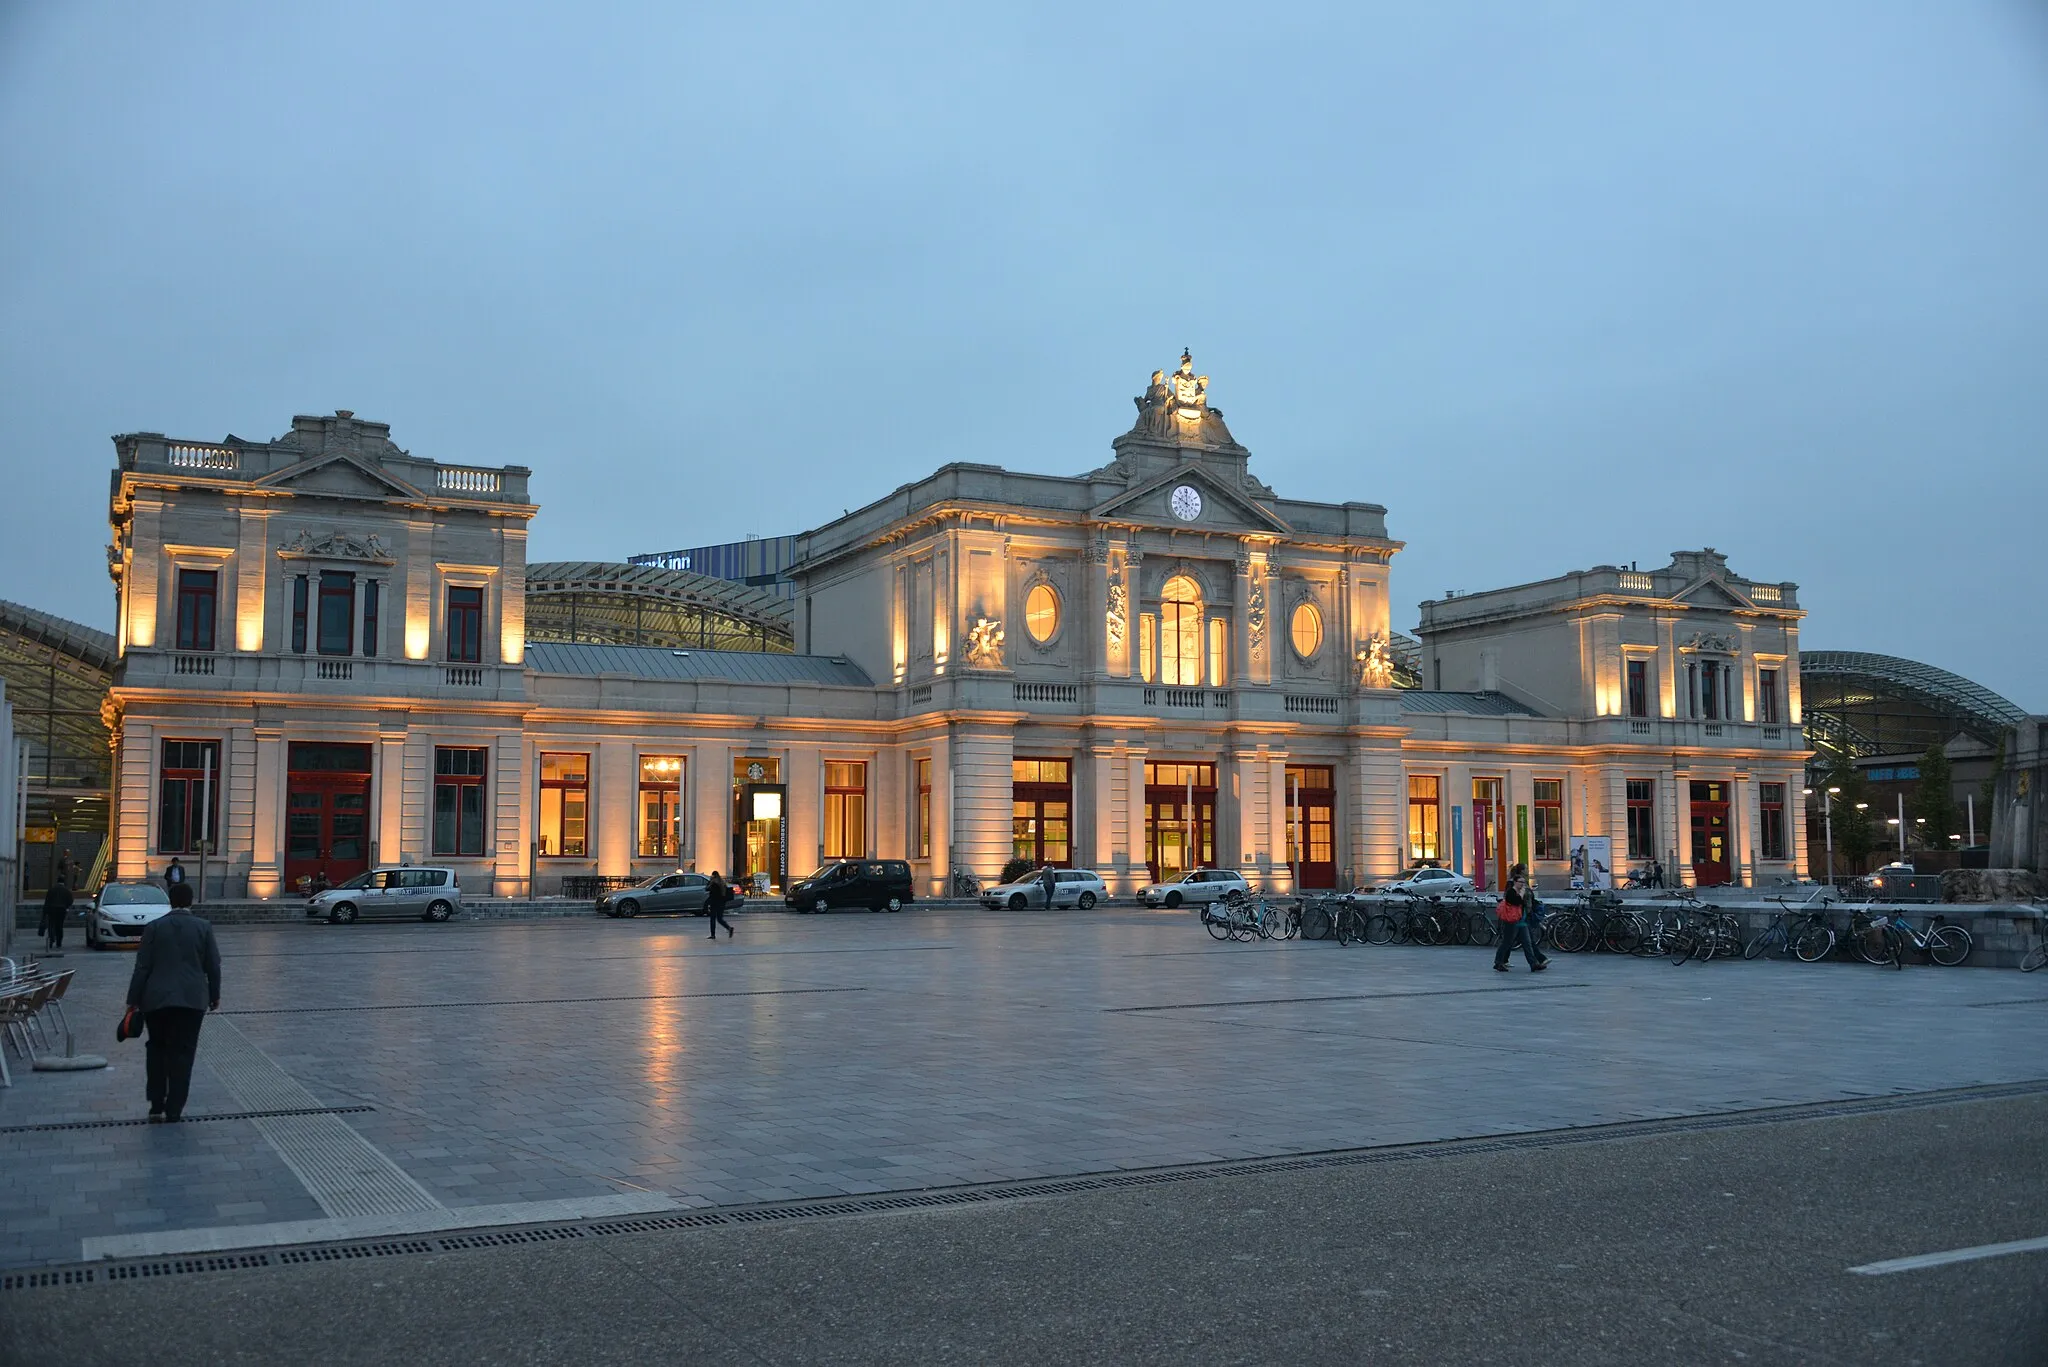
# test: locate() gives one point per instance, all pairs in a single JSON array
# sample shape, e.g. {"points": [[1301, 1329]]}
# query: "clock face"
{"points": [[1187, 503], [755, 773]]}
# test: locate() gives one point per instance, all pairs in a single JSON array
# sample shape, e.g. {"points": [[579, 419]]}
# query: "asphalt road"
{"points": [[1724, 1246]]}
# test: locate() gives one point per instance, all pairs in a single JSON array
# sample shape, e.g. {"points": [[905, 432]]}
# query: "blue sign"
{"points": [[1457, 840]]}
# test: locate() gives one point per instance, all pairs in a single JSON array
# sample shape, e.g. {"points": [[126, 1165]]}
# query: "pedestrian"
{"points": [[1046, 882], [175, 983], [1515, 928], [715, 902], [56, 906], [175, 874]]}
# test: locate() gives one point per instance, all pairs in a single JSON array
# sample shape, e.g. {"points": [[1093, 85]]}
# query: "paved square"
{"points": [[528, 1070]]}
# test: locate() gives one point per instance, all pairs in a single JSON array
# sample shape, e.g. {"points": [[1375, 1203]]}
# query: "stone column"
{"points": [[614, 789], [942, 816], [1379, 809], [252, 574], [1100, 760], [510, 790], [135, 775], [982, 777], [1680, 843], [1273, 857], [707, 771], [387, 764], [1241, 830], [1096, 653], [266, 815], [1137, 871]]}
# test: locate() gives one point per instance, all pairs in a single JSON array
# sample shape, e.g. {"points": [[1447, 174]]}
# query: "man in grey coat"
{"points": [[175, 983]]}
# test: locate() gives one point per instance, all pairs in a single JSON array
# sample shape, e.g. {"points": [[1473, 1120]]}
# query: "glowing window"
{"points": [[1307, 630], [1041, 613], [1180, 632]]}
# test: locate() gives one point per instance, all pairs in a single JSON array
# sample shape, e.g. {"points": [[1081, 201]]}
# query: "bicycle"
{"points": [[1786, 928], [1712, 932], [965, 884], [1942, 943], [1600, 921]]}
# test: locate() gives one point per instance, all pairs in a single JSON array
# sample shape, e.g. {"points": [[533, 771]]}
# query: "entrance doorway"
{"points": [[1713, 862], [1489, 834], [1041, 807], [760, 805], [1180, 819], [1312, 824], [327, 812]]}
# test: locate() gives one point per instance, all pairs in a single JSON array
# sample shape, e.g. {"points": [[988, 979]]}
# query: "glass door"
{"points": [[1713, 862]]}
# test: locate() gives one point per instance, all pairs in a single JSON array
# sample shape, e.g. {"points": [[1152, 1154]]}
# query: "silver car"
{"points": [[1195, 886], [121, 912], [430, 893], [667, 893], [1431, 881], [1081, 888]]}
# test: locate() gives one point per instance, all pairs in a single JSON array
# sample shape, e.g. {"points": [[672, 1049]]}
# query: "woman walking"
{"points": [[1516, 904]]}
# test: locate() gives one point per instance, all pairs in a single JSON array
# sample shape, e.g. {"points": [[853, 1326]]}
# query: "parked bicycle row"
{"points": [[1680, 926]]}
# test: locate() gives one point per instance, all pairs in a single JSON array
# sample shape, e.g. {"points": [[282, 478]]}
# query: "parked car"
{"points": [[1197, 886], [1071, 888], [121, 911], [429, 893], [678, 893], [1432, 882], [877, 884]]}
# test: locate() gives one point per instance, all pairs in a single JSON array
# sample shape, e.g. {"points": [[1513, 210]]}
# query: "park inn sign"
{"points": [[1155, 665]]}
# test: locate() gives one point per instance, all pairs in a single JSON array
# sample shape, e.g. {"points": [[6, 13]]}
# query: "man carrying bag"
{"points": [[175, 983]]}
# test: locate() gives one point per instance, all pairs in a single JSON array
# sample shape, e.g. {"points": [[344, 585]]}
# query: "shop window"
{"points": [[1041, 612], [1425, 818], [1639, 688], [1642, 818], [1771, 826], [1219, 653], [661, 806], [188, 796], [1180, 633], [1767, 696], [1547, 836], [198, 592], [1041, 810], [565, 806], [372, 591], [846, 810], [1306, 629], [1148, 647], [459, 800], [924, 809], [337, 613], [298, 614], [1311, 811], [465, 624]]}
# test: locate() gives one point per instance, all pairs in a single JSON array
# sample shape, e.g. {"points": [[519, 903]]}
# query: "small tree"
{"points": [[1854, 834], [1017, 869], [1934, 801]]}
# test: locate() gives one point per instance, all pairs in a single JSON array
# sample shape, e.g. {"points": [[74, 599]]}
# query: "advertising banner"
{"points": [[1593, 862]]}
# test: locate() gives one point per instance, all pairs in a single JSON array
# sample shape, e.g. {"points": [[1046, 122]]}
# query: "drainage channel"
{"points": [[187, 1120], [112, 1272]]}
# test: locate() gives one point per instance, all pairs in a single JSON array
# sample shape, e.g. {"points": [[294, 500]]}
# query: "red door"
{"points": [[1312, 824], [1489, 833], [1713, 862], [326, 812]]}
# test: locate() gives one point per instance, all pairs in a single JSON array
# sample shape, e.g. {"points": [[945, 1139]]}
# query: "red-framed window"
{"points": [[372, 592], [564, 806], [661, 806], [335, 622], [1041, 811], [1547, 835], [459, 799], [188, 796], [1767, 696], [1642, 818], [465, 624], [1771, 824], [846, 809], [198, 595], [1639, 688], [299, 596]]}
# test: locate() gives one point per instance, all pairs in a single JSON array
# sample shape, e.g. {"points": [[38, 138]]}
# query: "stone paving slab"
{"points": [[510, 1064]]}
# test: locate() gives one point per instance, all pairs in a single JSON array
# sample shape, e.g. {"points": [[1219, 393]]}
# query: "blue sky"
{"points": [[1559, 284]]}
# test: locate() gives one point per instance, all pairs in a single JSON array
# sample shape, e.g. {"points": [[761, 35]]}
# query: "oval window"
{"points": [[1307, 629], [1041, 613]]}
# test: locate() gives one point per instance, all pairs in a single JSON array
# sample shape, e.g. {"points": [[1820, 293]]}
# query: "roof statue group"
{"points": [[1176, 407]]}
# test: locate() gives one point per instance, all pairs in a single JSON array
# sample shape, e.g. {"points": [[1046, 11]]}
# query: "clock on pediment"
{"points": [[1186, 502]]}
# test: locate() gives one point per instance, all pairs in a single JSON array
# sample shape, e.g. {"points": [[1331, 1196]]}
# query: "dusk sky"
{"points": [[1559, 284]]}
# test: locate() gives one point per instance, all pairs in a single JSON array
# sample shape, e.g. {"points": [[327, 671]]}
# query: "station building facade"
{"points": [[1156, 665]]}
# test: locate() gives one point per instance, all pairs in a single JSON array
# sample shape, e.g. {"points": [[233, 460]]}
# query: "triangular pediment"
{"points": [[340, 475], [1222, 507], [1711, 593]]}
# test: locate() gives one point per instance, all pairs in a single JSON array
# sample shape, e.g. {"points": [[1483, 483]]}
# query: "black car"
{"points": [[877, 884]]}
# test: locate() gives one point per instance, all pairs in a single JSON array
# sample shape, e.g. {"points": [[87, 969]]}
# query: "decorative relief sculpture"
{"points": [[1376, 661], [1119, 614], [985, 644], [336, 546], [1255, 613], [1712, 643]]}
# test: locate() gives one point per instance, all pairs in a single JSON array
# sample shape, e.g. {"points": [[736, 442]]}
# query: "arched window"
{"points": [[1307, 630], [1180, 632], [1041, 613]]}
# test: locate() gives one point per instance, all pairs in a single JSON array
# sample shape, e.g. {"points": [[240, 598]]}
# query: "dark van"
{"points": [[877, 884]]}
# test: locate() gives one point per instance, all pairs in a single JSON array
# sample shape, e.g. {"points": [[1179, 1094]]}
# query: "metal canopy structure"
{"points": [[1857, 704], [57, 674], [592, 602]]}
